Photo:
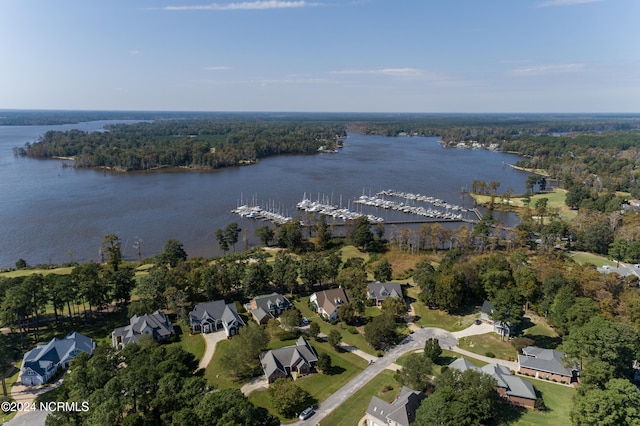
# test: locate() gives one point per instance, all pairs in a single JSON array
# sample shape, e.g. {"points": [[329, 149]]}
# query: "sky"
{"points": [[431, 56]]}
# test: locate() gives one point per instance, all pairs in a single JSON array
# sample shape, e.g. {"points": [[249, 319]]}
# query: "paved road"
{"points": [[415, 341]]}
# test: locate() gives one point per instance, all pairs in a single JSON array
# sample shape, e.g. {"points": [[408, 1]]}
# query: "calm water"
{"points": [[50, 213]]}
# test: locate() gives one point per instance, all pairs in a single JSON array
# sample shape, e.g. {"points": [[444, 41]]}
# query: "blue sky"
{"points": [[321, 55]]}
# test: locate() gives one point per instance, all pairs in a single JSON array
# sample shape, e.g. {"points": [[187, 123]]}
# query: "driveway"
{"points": [[210, 341], [415, 341]]}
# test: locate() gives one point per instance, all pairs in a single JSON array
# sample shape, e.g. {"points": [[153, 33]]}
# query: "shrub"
{"points": [[489, 355]]}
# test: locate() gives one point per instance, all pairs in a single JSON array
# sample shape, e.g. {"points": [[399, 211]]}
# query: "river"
{"points": [[52, 213]]}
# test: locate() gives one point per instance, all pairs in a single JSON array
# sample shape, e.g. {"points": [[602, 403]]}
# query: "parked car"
{"points": [[306, 413]]}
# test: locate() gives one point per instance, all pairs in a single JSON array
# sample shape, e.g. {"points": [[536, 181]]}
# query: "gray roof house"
{"points": [[380, 291], [41, 363], [211, 316], [486, 314], [157, 325], [268, 306], [545, 364], [328, 302], [282, 362], [400, 412], [515, 390]]}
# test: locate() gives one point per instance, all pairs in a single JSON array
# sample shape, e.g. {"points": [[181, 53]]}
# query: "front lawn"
{"points": [[384, 386], [345, 366], [557, 398], [490, 342], [193, 343], [435, 318]]}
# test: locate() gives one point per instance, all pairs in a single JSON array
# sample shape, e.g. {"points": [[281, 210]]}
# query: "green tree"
{"points": [[284, 271], [381, 331], [463, 399], [111, 244], [290, 319], [362, 237], [173, 253], [314, 329], [324, 363], [617, 404], [432, 349], [266, 234], [242, 359], [290, 235], [618, 249], [323, 234], [230, 407], [383, 271], [395, 306], [416, 372], [288, 398], [334, 338]]}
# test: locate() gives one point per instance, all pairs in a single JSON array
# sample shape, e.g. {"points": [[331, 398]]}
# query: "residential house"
{"points": [[263, 308], [400, 412], [486, 315], [545, 364], [42, 363], [279, 363], [212, 316], [328, 302], [380, 291], [156, 325], [515, 390]]}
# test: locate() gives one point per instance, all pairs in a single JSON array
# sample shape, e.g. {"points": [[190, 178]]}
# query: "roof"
{"points": [[267, 303], [487, 307], [402, 410], [280, 359], [217, 310], [329, 300], [514, 386], [157, 324], [381, 291], [546, 360], [57, 351]]}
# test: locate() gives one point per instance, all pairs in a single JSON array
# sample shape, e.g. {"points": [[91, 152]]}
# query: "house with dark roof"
{"points": [[327, 302], [486, 315], [156, 325], [42, 363], [545, 364], [380, 291], [213, 316], [283, 362], [400, 412], [512, 389], [268, 306]]}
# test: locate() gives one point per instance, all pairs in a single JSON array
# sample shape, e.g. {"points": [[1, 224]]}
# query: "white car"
{"points": [[308, 412]]}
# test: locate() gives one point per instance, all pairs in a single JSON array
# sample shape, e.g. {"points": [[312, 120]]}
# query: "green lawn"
{"points": [[582, 258], [193, 343], [435, 318], [356, 340], [27, 272], [384, 386], [215, 374], [489, 342], [320, 386], [557, 398]]}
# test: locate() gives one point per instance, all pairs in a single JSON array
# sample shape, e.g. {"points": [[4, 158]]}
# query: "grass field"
{"points": [[434, 318], [489, 342], [557, 398], [384, 386], [581, 258], [556, 200], [193, 343]]}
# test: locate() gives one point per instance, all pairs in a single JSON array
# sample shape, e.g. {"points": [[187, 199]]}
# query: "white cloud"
{"points": [[551, 3], [247, 5], [392, 72], [548, 69], [219, 68]]}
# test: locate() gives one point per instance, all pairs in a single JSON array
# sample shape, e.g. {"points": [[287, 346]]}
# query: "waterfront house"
{"points": [[268, 306], [512, 389], [42, 363], [545, 364], [212, 316], [400, 412], [283, 362], [380, 291], [156, 325], [327, 302]]}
